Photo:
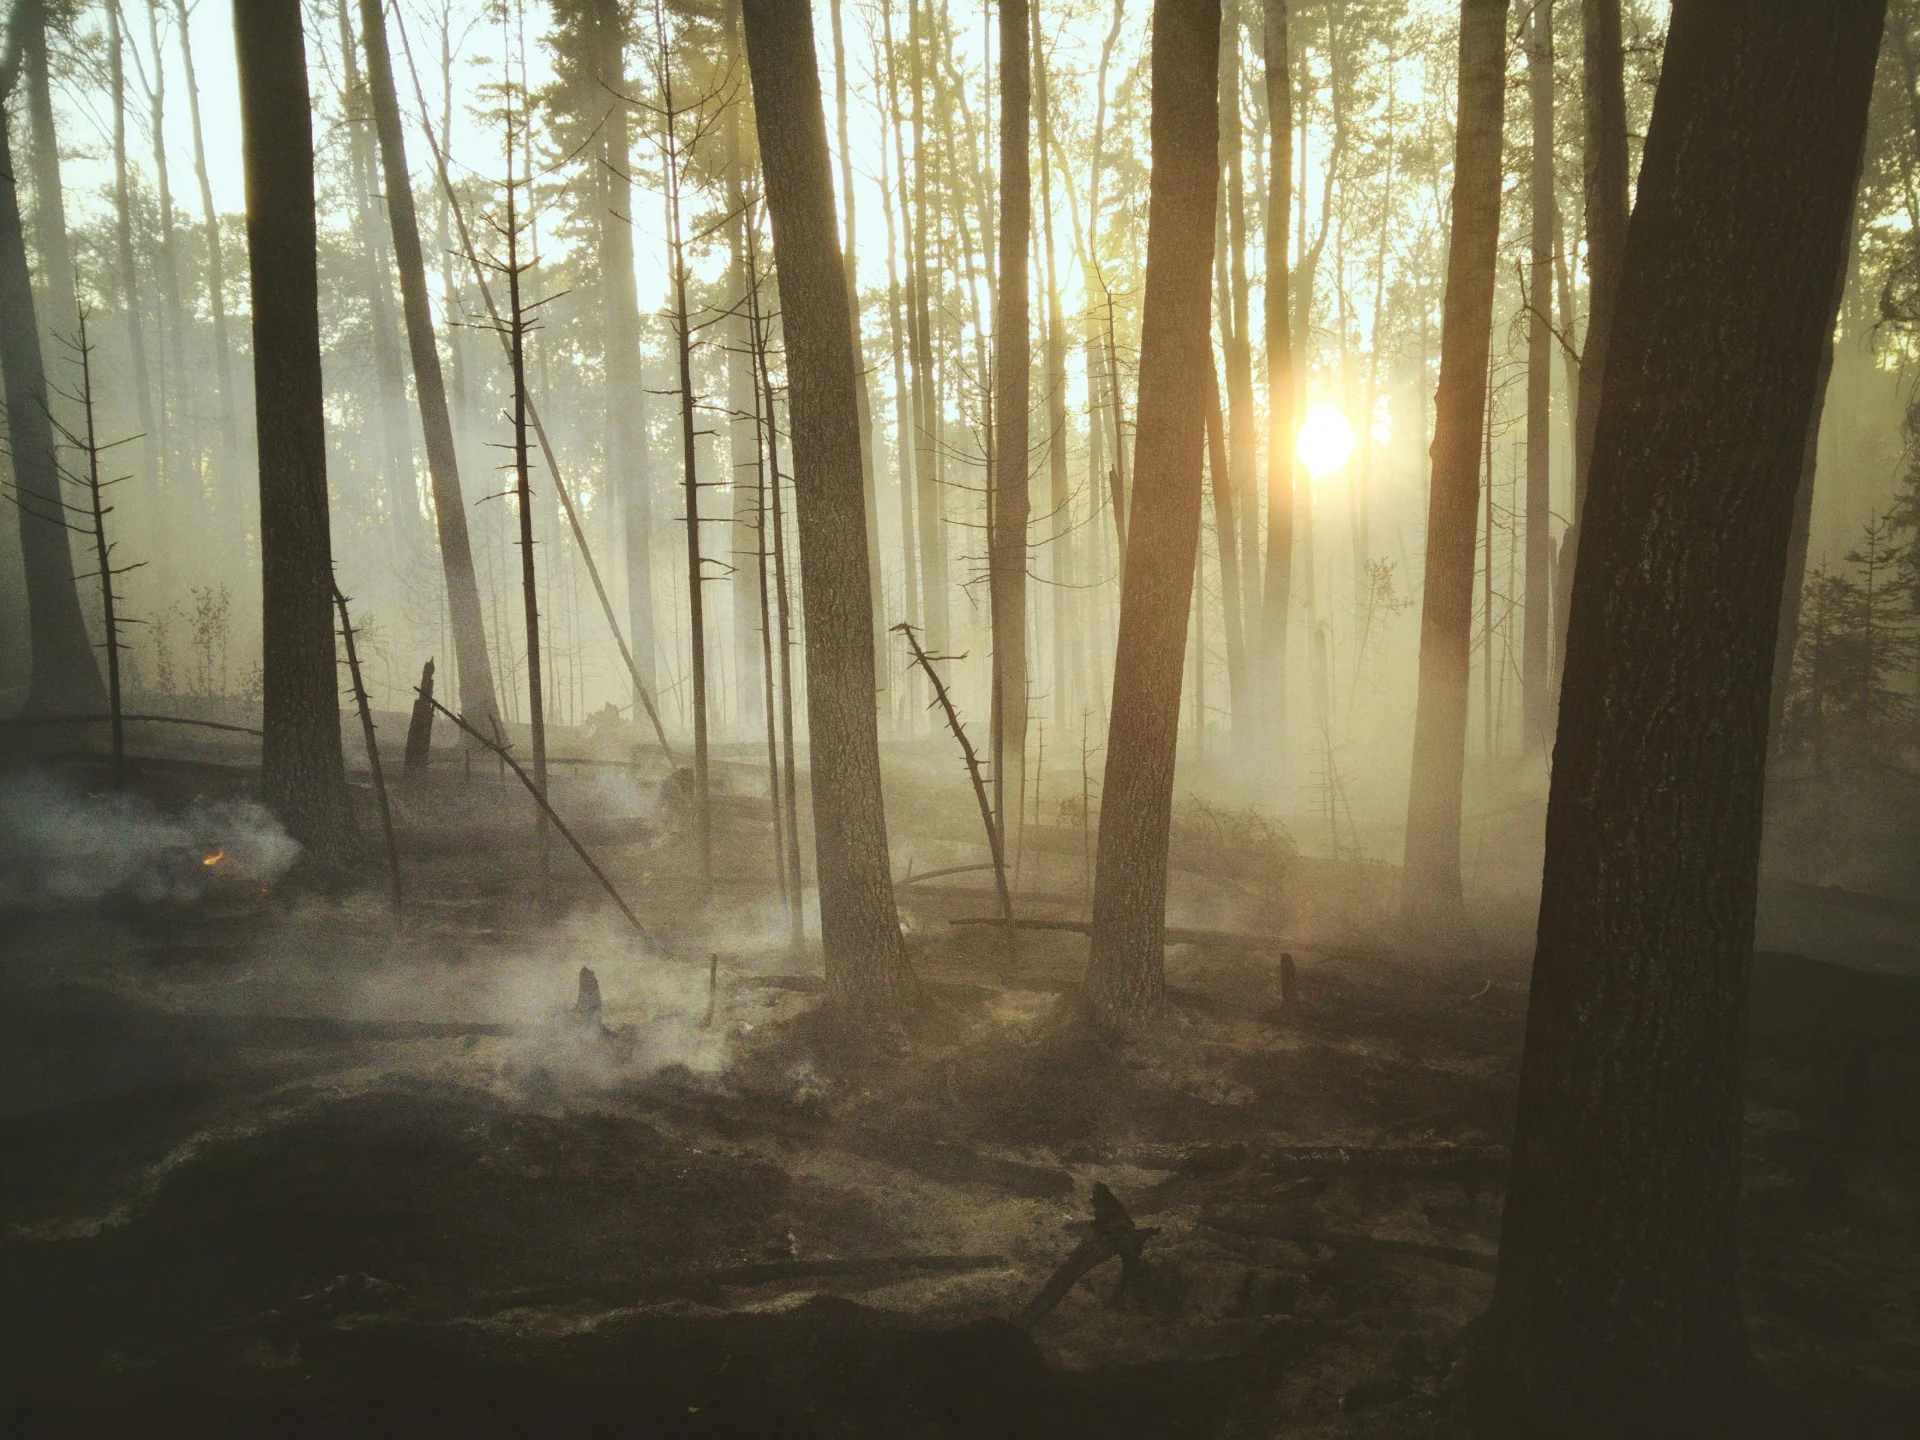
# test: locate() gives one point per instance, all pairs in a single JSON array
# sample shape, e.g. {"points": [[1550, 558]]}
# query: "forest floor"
{"points": [[273, 1162]]}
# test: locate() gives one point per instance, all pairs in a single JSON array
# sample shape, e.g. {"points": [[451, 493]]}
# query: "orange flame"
{"points": [[215, 858]]}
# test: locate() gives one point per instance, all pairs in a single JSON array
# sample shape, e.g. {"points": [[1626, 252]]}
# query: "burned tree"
{"points": [[302, 771], [1617, 1307], [860, 929], [1430, 878], [1126, 969]]}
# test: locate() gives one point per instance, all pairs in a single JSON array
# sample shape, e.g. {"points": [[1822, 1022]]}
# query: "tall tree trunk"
{"points": [[926, 460], [866, 960], [436, 424], [1430, 880], [1008, 480], [1535, 675], [389, 400], [65, 680], [1616, 1309], [49, 199], [183, 502], [1267, 657], [1067, 636], [742, 428], [210, 222], [130, 275], [851, 255], [302, 775], [900, 323], [1239, 340], [1604, 113], [1126, 968]]}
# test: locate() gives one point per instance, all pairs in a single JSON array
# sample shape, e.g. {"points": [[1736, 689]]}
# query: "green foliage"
{"points": [[1856, 649]]}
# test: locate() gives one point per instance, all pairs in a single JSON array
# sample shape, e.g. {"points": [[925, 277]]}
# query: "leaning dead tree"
{"points": [[477, 268], [378, 776], [996, 841]]}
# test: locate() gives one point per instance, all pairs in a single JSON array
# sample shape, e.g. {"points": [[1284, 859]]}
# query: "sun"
{"points": [[1325, 441]]}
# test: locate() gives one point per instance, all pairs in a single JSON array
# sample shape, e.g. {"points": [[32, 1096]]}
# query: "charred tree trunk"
{"points": [[1268, 657], [1604, 113], [436, 424], [1239, 341], [866, 959], [1535, 675], [1616, 1310], [65, 680], [1067, 636], [1011, 502], [1430, 880], [127, 265], [1126, 966], [302, 773]]}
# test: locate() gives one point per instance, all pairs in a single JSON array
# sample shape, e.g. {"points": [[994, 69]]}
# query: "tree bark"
{"points": [[1126, 975], [210, 222], [1238, 342], [1535, 674], [1011, 501], [302, 775], [1430, 880], [49, 200], [129, 270], [866, 960], [436, 424], [1616, 1309], [65, 679], [1267, 647]]}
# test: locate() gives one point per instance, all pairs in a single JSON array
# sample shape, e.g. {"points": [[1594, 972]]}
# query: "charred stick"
{"points": [[373, 748]]}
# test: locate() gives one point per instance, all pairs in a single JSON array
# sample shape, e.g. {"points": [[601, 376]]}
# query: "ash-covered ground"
{"points": [[273, 1161]]}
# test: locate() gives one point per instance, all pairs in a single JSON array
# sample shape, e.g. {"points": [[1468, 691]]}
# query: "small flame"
{"points": [[214, 859]]}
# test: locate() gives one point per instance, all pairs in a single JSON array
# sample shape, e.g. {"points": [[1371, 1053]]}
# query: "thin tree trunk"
{"points": [[1604, 113], [1536, 674], [65, 679], [1430, 879], [933, 541], [1009, 478], [1616, 1308], [1268, 657], [210, 221], [743, 431], [436, 424], [1239, 340], [129, 270], [302, 773], [1060, 567], [183, 503], [1126, 968], [866, 961], [899, 323], [1220, 473]]}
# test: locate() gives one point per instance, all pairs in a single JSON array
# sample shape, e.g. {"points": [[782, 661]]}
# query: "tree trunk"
{"points": [[1535, 674], [130, 275], [1616, 1309], [1008, 513], [866, 958], [1239, 341], [49, 200], [869, 488], [210, 221], [1067, 636], [443, 464], [65, 679], [1430, 880], [1126, 974], [933, 540], [743, 430], [1267, 646], [302, 776], [1604, 112]]}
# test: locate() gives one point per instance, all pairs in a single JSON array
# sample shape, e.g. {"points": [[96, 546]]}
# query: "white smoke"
{"points": [[60, 847]]}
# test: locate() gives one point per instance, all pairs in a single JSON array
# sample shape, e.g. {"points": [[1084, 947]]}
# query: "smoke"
{"points": [[61, 847]]}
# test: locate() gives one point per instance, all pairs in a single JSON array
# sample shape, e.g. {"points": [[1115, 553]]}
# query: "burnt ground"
{"points": [[271, 1162]]}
